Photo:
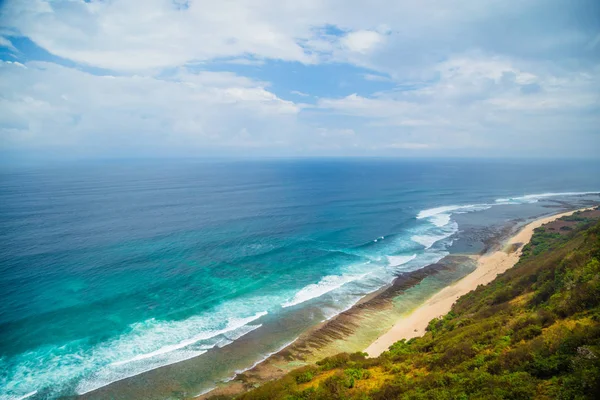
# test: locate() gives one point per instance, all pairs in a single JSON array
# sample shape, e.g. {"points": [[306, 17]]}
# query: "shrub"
{"points": [[336, 361], [336, 386], [304, 377]]}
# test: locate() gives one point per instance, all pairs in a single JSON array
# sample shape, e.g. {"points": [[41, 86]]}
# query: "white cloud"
{"points": [[483, 102], [4, 42], [145, 34], [246, 61], [478, 81], [408, 146], [137, 35], [328, 132], [362, 41], [377, 78], [45, 104], [462, 78], [299, 93], [367, 107]]}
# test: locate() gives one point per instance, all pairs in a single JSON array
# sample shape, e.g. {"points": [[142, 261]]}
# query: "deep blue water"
{"points": [[110, 269]]}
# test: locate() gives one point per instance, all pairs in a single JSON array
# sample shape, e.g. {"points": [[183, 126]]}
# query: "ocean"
{"points": [[175, 275]]}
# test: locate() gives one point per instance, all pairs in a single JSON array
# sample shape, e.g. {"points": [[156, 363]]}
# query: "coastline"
{"points": [[353, 329], [529, 316], [386, 310], [488, 267], [185, 309]]}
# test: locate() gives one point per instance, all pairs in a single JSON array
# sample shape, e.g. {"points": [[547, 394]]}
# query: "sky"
{"points": [[433, 78]]}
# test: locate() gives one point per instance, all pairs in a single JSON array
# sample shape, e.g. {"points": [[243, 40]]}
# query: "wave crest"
{"points": [[534, 198], [397, 261], [440, 216], [325, 285]]}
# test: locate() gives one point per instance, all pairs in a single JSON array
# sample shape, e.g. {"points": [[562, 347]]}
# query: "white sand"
{"points": [[488, 267]]}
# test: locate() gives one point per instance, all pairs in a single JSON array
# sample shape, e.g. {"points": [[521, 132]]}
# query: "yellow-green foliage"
{"points": [[534, 332]]}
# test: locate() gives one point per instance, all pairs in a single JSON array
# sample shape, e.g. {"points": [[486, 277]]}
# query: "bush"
{"points": [[336, 386], [304, 377], [336, 361], [527, 333]]}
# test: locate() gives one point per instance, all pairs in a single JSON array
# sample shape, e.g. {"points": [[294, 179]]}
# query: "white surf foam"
{"points": [[430, 212], [116, 373], [232, 325], [440, 216], [157, 332], [24, 396], [534, 198], [108, 375], [396, 261], [428, 239], [325, 285], [241, 371], [234, 335], [260, 360], [440, 220], [210, 389]]}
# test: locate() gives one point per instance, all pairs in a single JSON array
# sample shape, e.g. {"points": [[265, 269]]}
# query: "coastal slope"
{"points": [[533, 332], [489, 266]]}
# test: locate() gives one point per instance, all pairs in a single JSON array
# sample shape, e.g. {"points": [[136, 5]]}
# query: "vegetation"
{"points": [[534, 332]]}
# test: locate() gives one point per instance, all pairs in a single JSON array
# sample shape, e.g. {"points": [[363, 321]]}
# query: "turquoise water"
{"points": [[111, 270]]}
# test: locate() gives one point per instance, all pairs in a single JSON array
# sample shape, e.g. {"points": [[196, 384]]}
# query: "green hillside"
{"points": [[534, 332]]}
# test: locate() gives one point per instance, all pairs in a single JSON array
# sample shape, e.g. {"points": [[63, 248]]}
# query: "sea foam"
{"points": [[170, 354], [233, 325], [428, 241], [145, 346], [440, 216], [262, 359], [25, 396], [431, 236], [397, 261], [325, 285], [534, 198]]}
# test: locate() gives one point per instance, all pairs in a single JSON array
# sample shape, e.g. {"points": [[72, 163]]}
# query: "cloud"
{"points": [[246, 61], [44, 104], [298, 93], [144, 34], [454, 77], [325, 132], [409, 146], [138, 35], [484, 102], [377, 78], [4, 42], [478, 81], [362, 41]]}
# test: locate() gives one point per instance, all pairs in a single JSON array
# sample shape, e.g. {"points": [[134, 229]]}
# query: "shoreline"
{"points": [[489, 266], [347, 331]]}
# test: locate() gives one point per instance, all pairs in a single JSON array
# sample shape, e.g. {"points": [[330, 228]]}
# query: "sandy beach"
{"points": [[488, 267]]}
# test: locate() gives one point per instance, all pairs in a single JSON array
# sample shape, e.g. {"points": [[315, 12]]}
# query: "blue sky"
{"points": [[287, 78]]}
